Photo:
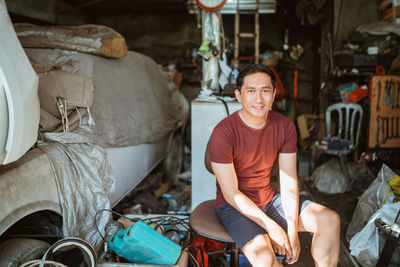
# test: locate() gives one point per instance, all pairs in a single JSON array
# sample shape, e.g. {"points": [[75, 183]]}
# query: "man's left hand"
{"points": [[295, 246]]}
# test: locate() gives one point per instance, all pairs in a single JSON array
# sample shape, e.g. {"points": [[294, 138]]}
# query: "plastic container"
{"points": [[234, 74], [142, 244]]}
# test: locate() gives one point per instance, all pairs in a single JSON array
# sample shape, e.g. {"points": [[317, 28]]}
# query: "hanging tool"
{"points": [[391, 128], [377, 131], [395, 127], [379, 95], [398, 93], [383, 137], [388, 85], [387, 128], [394, 95]]}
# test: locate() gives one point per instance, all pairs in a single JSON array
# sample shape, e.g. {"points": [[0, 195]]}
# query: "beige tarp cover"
{"points": [[84, 183], [133, 102], [63, 97]]}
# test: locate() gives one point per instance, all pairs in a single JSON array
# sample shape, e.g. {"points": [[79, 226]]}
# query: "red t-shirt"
{"points": [[252, 152]]}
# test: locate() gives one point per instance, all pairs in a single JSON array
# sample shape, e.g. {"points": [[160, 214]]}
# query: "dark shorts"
{"points": [[242, 229]]}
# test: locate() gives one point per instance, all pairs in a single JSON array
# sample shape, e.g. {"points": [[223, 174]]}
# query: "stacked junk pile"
{"points": [[362, 173], [127, 237]]}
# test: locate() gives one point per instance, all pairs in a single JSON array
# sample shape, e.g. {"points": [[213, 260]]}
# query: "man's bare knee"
{"points": [[329, 221], [326, 241], [259, 252]]}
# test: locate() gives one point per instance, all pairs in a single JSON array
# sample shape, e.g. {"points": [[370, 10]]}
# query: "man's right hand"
{"points": [[279, 239]]}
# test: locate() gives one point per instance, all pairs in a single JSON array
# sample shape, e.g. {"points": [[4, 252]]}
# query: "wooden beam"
{"points": [[93, 39]]}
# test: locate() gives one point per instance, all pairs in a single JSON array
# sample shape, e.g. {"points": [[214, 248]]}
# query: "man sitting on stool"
{"points": [[243, 148]]}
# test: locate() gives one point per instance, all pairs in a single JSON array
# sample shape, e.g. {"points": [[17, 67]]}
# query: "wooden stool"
{"points": [[204, 222]]}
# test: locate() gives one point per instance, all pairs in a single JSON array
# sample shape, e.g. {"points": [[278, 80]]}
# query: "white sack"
{"points": [[367, 244], [370, 201], [329, 178]]}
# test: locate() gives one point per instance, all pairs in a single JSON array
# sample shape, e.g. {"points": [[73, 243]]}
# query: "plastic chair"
{"points": [[345, 141]]}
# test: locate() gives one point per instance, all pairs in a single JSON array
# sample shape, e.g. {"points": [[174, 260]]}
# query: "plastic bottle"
{"points": [[234, 74], [169, 202]]}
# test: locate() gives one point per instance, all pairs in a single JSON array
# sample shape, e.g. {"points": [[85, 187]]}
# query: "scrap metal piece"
{"points": [[383, 228], [391, 242]]}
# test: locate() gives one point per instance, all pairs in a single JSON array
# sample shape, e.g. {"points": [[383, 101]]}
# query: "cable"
{"points": [[153, 220], [159, 221], [171, 220], [95, 219], [225, 104], [37, 262], [192, 258], [215, 252], [200, 256]]}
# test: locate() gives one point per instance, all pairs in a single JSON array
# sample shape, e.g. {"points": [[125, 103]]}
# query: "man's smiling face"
{"points": [[256, 95]]}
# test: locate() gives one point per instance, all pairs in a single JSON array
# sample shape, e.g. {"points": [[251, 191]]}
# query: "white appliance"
{"points": [[205, 116], [19, 101]]}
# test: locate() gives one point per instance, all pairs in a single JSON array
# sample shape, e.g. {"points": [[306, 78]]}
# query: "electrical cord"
{"points": [[173, 220], [192, 258], [114, 212], [198, 252], [215, 252], [225, 104], [37, 262], [159, 221]]}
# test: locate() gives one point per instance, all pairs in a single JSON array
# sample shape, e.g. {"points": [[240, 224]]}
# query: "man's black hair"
{"points": [[251, 69]]}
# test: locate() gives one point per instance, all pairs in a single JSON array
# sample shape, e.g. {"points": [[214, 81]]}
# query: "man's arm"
{"points": [[290, 199], [227, 179]]}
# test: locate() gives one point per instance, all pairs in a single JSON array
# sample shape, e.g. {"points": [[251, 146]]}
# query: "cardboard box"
{"points": [[306, 124]]}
